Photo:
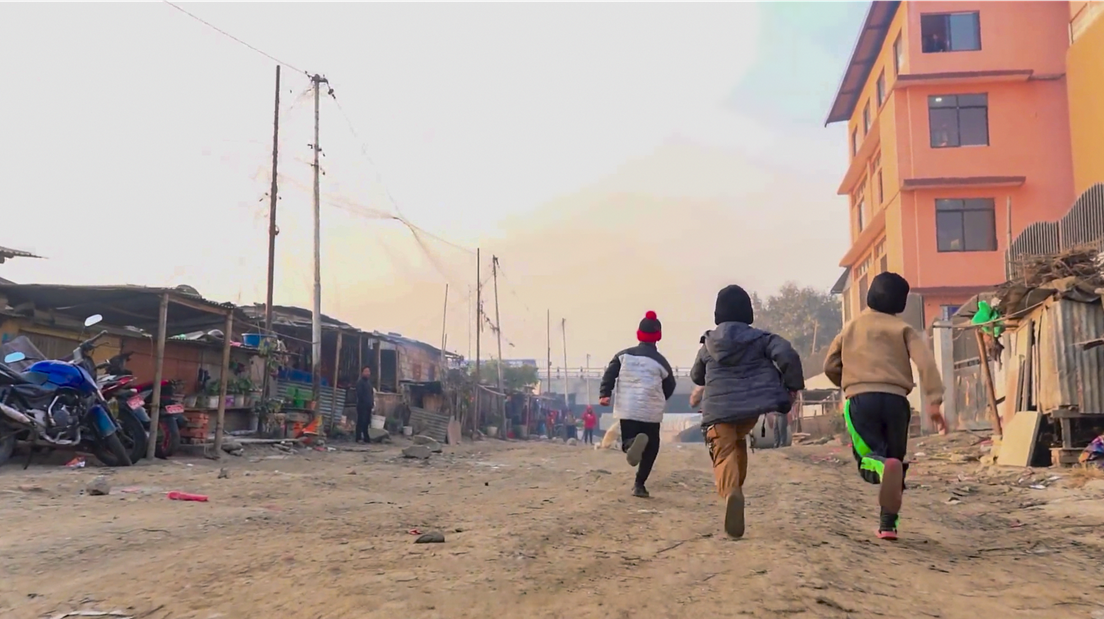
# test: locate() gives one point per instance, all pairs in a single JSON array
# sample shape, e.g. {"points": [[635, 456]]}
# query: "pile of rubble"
{"points": [[1081, 263]]}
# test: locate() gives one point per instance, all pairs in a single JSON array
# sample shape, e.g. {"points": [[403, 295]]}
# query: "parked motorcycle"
{"points": [[130, 411], [119, 381], [57, 403]]}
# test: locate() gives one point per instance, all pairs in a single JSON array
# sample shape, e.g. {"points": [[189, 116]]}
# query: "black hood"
{"points": [[730, 341]]}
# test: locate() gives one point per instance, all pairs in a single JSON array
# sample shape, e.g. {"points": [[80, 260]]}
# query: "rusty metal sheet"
{"points": [[1069, 375]]}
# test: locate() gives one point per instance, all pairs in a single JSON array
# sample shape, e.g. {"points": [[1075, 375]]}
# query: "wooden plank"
{"points": [[1018, 440]]}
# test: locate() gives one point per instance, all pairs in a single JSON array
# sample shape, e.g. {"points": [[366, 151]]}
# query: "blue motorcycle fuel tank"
{"points": [[60, 375]]}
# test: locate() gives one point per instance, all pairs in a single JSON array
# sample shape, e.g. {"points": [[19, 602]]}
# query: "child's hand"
{"points": [[935, 414], [603, 401]]}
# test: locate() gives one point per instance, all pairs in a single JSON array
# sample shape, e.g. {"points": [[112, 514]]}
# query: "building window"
{"points": [[876, 174], [966, 224], [866, 119], [946, 311], [958, 120], [898, 55], [881, 88], [854, 142], [950, 32], [885, 264], [859, 201]]}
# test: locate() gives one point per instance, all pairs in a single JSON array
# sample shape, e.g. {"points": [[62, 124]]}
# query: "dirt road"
{"points": [[540, 530]]}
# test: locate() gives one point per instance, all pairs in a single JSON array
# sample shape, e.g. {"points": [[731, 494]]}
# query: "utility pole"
{"points": [[272, 232], [478, 330], [563, 327], [444, 339], [469, 323], [272, 208], [548, 377], [588, 379], [316, 315], [498, 332]]}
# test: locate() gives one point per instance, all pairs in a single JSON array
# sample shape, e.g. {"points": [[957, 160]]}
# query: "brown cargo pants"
{"points": [[728, 448]]}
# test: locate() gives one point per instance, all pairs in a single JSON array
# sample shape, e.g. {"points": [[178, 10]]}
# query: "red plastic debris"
{"points": [[184, 496]]}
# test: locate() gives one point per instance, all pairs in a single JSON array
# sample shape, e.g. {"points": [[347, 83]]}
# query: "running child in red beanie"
{"points": [[640, 381]]}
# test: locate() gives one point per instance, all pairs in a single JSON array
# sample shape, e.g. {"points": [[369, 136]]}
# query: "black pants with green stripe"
{"points": [[879, 425]]}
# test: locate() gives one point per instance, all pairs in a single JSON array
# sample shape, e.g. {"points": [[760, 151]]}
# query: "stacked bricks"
{"points": [[196, 428]]}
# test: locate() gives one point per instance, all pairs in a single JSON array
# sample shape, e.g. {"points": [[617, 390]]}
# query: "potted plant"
{"points": [[212, 388], [246, 392]]}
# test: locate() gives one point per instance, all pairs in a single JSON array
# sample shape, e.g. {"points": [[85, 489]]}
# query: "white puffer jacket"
{"points": [[640, 381]]}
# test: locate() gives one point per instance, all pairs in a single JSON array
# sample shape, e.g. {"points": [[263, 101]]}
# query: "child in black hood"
{"points": [[746, 373]]}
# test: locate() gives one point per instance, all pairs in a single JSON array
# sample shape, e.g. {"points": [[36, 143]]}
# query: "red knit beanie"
{"points": [[650, 330]]}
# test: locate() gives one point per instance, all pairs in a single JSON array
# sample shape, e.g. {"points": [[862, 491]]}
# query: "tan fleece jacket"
{"points": [[872, 354]]}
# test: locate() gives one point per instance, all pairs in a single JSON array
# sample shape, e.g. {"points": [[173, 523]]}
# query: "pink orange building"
{"points": [[958, 137]]}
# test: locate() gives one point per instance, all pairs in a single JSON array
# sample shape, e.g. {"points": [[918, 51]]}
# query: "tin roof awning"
{"points": [[7, 253], [865, 54], [843, 282], [124, 305]]}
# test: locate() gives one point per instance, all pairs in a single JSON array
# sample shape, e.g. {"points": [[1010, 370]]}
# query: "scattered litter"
{"points": [[30, 488], [1037, 487], [919, 454], [94, 613], [433, 537], [953, 501], [75, 463], [223, 473], [184, 496], [414, 532]]}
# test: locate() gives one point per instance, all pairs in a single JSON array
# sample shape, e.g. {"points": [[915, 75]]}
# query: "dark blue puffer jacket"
{"points": [[746, 373]]}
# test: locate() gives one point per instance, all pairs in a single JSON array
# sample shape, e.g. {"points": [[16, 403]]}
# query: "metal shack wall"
{"points": [[1070, 377]]}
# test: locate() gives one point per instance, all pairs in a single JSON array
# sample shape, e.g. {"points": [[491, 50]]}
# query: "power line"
{"points": [[234, 38]]}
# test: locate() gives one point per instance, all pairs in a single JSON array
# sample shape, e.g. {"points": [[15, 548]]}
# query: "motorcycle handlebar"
{"points": [[92, 340]]}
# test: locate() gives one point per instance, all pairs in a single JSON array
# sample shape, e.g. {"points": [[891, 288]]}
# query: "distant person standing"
{"points": [[590, 422], [781, 428], [643, 382], [365, 402]]}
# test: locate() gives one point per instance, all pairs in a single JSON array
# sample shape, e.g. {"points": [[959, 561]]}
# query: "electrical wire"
{"points": [[236, 39]]}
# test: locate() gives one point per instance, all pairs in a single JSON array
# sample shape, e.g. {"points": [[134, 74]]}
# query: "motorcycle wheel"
{"points": [[7, 447], [111, 452], [132, 435], [168, 437]]}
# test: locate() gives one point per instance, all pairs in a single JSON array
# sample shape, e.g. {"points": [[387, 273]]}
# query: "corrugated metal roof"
{"points": [[7, 252], [119, 305], [869, 43], [842, 283]]}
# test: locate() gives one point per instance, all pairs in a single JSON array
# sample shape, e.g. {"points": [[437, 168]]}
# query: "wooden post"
{"points": [[221, 420], [478, 330], [333, 395], [158, 375], [505, 428], [990, 389], [379, 366]]}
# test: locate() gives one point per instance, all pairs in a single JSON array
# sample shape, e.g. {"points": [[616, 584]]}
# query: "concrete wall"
{"points": [[1085, 75]]}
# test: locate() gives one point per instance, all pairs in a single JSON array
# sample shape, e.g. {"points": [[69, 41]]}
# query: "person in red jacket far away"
{"points": [[590, 422]]}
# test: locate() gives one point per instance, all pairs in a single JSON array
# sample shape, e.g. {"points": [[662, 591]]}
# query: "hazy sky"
{"points": [[618, 158]]}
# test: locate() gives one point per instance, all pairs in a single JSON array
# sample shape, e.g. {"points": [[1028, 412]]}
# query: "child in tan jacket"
{"points": [[871, 360]]}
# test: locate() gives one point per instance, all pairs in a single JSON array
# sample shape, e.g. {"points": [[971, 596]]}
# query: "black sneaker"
{"points": [[640, 492], [887, 526]]}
